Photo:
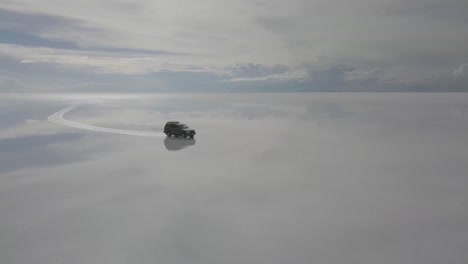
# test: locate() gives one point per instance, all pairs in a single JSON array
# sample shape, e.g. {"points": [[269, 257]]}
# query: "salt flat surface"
{"points": [[269, 178]]}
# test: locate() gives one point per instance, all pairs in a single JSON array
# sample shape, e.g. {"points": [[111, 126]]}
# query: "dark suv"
{"points": [[177, 129]]}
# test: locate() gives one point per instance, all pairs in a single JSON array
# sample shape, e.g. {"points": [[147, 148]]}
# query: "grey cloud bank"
{"points": [[223, 46]]}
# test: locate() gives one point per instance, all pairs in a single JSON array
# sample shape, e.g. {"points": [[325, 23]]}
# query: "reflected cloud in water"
{"points": [[175, 144], [343, 178]]}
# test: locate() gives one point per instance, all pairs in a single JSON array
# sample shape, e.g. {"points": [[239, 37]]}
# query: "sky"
{"points": [[208, 45]]}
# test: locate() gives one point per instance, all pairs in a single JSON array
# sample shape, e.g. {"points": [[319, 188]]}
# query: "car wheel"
{"points": [[191, 136], [169, 134], [183, 135]]}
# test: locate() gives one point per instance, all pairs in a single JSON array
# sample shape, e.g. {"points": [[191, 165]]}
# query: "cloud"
{"points": [[255, 72], [148, 26], [280, 77], [92, 61], [28, 61], [461, 70], [311, 45], [369, 75]]}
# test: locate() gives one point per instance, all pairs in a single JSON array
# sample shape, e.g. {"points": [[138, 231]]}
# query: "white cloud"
{"points": [[409, 40], [101, 62], [268, 32], [291, 75], [225, 32], [461, 70], [28, 61], [372, 74]]}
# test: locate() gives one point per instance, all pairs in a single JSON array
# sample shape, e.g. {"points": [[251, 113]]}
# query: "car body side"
{"points": [[176, 128]]}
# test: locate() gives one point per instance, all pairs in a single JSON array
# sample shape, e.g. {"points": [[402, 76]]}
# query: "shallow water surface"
{"points": [[269, 178]]}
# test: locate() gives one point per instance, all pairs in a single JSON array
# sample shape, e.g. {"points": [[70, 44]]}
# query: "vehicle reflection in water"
{"points": [[175, 144]]}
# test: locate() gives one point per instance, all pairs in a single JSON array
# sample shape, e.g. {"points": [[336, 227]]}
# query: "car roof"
{"points": [[173, 122]]}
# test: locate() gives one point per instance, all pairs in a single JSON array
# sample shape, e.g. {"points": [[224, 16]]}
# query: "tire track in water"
{"points": [[57, 118]]}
